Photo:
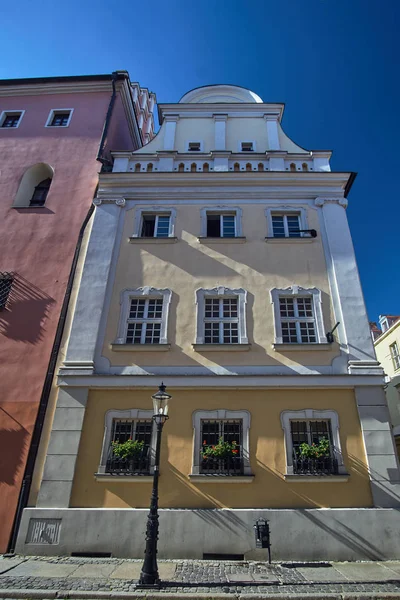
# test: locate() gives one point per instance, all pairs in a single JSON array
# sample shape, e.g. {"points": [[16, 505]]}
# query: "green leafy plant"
{"points": [[220, 450], [320, 450], [129, 449]]}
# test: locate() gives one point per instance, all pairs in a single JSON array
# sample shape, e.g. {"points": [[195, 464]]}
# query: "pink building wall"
{"points": [[38, 245]]}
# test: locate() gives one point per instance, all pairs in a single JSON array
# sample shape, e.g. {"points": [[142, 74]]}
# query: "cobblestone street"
{"points": [[70, 577]]}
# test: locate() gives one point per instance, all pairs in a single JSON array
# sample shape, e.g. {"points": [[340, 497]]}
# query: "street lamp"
{"points": [[149, 574]]}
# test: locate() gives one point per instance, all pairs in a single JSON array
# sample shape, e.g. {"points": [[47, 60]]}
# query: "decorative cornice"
{"points": [[321, 201], [118, 201]]}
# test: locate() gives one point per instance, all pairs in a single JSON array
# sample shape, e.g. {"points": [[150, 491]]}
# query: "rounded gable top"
{"points": [[220, 93]]}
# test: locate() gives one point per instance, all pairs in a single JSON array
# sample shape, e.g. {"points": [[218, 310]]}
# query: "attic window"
{"points": [[194, 146], [247, 147]]}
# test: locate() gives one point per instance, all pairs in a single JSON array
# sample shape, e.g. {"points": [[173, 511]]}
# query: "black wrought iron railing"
{"points": [[136, 465], [324, 465], [230, 465]]}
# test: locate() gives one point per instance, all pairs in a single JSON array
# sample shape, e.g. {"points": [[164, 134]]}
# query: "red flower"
{"points": [[204, 443], [235, 451]]}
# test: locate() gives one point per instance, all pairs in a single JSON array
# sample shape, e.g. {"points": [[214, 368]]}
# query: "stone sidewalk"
{"points": [[107, 578]]}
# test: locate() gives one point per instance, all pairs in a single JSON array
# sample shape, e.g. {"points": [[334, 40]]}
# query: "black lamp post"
{"points": [[149, 574]]}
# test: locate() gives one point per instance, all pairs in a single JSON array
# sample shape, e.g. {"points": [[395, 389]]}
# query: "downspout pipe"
{"points": [[44, 399], [105, 161]]}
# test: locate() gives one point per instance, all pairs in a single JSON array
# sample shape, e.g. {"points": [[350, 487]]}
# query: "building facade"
{"points": [[55, 135], [220, 262], [387, 347]]}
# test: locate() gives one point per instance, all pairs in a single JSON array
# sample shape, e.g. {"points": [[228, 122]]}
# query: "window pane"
{"points": [[304, 307], [278, 228], [212, 308], [230, 307], [60, 120], [137, 308], [299, 433], [143, 431], [289, 333], [286, 306], [228, 225], [211, 333], [307, 332], [148, 225], [318, 430], [11, 121], [153, 332], [293, 223], [231, 333], [123, 430], [163, 226], [155, 308], [134, 332], [213, 225]]}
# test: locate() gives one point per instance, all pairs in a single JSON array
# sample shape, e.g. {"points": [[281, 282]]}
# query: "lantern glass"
{"points": [[160, 401]]}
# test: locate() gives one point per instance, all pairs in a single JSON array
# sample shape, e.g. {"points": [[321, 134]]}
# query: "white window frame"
{"points": [[220, 292], [143, 293], [5, 113], [53, 112], [247, 142], [221, 415], [194, 142], [310, 414], [236, 211], [154, 210], [286, 210], [111, 415], [395, 355], [295, 290]]}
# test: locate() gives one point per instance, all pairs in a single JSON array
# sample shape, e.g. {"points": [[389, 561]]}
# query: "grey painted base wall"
{"points": [[304, 534]]}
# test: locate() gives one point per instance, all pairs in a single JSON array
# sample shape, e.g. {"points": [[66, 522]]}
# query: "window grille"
{"points": [[60, 119], [194, 147], [221, 225], [155, 226], [221, 321], [144, 321], [6, 281], [40, 193], [297, 319], [287, 225], [122, 431], [312, 432], [394, 351], [230, 431]]}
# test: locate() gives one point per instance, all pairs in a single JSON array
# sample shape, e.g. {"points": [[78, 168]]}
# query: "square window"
{"points": [[285, 225], [10, 119], [221, 225], [194, 146], [247, 146], [154, 225], [59, 117]]}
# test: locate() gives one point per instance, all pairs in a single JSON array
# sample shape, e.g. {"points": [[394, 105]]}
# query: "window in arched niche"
{"points": [[34, 186]]}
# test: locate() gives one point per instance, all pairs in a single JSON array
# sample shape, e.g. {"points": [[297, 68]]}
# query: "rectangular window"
{"points": [[223, 439], [394, 352], [60, 120], [135, 460], [221, 225], [312, 462], [297, 319], [221, 321], [11, 119], [6, 281], [247, 146], [155, 226], [144, 321], [286, 225], [194, 146]]}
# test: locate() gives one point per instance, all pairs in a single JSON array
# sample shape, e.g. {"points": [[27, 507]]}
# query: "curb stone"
{"points": [[7, 594]]}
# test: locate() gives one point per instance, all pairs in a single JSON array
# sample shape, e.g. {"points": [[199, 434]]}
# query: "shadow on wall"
{"points": [[26, 312], [13, 444]]}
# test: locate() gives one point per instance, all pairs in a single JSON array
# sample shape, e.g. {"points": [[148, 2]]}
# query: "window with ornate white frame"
{"points": [[230, 229], [237, 323], [146, 306], [134, 416], [307, 415], [293, 221], [298, 315], [221, 415], [160, 228]]}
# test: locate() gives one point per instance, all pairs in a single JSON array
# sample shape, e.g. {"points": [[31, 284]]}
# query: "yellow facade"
{"points": [[382, 349], [268, 489]]}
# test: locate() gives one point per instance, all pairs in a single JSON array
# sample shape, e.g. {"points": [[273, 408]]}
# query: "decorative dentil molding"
{"points": [[341, 201], [118, 201]]}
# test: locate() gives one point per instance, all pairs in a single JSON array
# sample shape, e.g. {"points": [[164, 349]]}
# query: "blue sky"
{"points": [[335, 63]]}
